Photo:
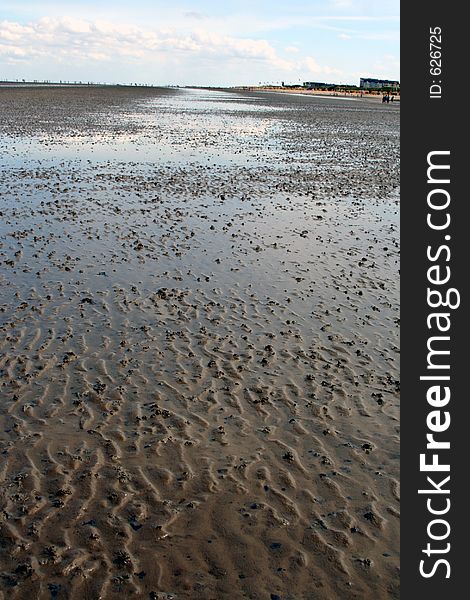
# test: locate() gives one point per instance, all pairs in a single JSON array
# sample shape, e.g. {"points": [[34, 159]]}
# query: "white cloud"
{"points": [[310, 65], [72, 36], [78, 40], [193, 14]]}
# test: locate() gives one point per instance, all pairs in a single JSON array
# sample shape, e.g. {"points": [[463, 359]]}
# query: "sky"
{"points": [[208, 42]]}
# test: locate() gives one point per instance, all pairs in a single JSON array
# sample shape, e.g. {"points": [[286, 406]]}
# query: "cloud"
{"points": [[381, 36], [310, 66], [68, 39], [77, 37], [193, 14]]}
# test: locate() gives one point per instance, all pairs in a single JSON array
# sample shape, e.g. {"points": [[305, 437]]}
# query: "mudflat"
{"points": [[199, 345]]}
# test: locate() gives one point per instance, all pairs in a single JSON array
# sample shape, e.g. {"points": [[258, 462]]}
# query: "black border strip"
{"points": [[430, 123]]}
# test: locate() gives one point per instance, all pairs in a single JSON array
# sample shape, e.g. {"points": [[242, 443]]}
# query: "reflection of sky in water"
{"points": [[193, 126], [215, 101]]}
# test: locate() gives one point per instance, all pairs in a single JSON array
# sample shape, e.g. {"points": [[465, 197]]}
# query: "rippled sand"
{"points": [[199, 346]]}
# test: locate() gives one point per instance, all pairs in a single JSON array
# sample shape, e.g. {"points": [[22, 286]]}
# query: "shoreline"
{"points": [[325, 93]]}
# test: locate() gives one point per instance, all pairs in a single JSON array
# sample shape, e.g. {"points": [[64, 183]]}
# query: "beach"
{"points": [[369, 94], [199, 349]]}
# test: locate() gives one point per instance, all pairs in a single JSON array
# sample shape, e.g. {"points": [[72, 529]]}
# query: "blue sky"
{"points": [[206, 42]]}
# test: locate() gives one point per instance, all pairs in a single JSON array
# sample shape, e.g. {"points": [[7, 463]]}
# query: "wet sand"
{"points": [[199, 346]]}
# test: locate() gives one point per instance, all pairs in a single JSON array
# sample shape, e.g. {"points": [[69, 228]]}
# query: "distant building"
{"points": [[373, 84], [314, 85]]}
